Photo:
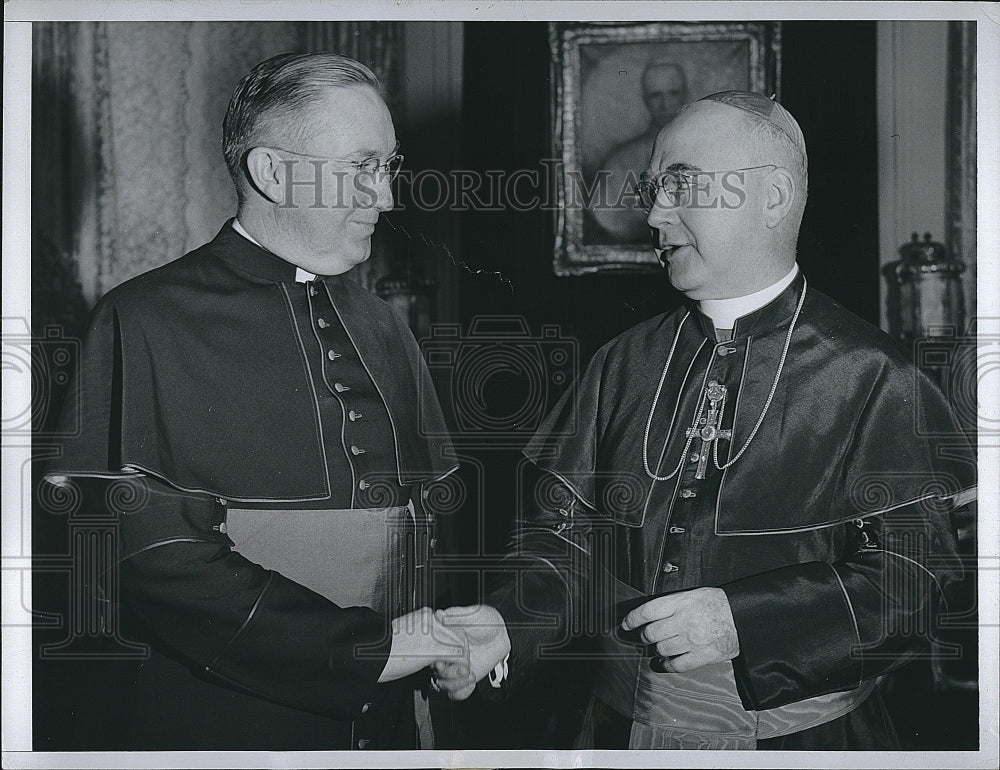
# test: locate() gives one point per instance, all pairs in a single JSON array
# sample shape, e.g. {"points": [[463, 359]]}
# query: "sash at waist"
{"points": [[687, 710], [353, 557]]}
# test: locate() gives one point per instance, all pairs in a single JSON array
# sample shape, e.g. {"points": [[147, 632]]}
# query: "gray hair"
{"points": [[276, 91]]}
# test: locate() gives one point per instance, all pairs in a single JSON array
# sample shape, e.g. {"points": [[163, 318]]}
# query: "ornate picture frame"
{"points": [[614, 86]]}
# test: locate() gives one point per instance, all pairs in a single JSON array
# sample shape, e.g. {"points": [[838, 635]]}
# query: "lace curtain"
{"points": [[127, 169]]}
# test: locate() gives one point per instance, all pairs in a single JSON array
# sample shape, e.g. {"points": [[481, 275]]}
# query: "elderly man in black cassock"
{"points": [[264, 409], [749, 499]]}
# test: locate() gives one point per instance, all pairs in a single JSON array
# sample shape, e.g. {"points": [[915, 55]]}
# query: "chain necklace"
{"points": [[704, 395]]}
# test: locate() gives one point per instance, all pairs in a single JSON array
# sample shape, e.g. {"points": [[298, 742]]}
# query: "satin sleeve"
{"points": [[820, 627]]}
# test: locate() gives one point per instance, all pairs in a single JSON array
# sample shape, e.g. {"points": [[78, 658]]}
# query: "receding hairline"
{"points": [[770, 143], [291, 125], [277, 98], [312, 105]]}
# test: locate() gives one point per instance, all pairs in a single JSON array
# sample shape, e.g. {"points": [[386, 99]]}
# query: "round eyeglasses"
{"points": [[677, 187]]}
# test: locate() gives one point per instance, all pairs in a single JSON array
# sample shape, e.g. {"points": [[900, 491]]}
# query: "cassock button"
{"points": [[362, 743], [312, 290], [688, 492], [365, 708], [669, 567], [363, 485], [340, 388], [354, 415], [357, 450], [677, 530], [434, 543], [333, 356], [321, 323]]}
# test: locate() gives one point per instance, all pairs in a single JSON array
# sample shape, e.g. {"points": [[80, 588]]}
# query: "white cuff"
{"points": [[499, 673]]}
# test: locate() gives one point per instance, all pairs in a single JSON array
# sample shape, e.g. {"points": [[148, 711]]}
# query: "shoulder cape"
{"points": [[853, 429], [193, 373]]}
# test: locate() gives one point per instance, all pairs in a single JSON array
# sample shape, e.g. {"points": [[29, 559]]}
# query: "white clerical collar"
{"points": [[724, 312], [301, 276]]}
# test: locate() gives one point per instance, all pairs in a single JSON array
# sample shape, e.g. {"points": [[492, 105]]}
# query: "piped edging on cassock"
{"points": [[378, 389], [246, 621], [211, 493], [963, 497], [850, 608], [167, 541], [315, 397], [58, 478]]}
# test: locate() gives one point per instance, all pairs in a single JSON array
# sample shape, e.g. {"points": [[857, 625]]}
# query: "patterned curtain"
{"points": [[72, 194], [127, 170]]}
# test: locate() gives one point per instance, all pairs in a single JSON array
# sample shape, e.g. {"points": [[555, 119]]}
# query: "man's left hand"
{"points": [[689, 629], [487, 641]]}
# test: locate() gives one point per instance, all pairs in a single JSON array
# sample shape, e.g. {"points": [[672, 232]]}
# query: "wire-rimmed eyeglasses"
{"points": [[677, 186], [368, 166]]}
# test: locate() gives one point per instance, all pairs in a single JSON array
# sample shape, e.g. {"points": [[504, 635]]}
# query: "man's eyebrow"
{"points": [[373, 153], [682, 167]]}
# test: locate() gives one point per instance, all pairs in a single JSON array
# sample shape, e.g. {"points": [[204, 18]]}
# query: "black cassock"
{"points": [[828, 521], [216, 384]]}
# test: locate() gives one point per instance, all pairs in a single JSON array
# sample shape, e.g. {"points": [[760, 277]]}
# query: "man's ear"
{"points": [[779, 195], [266, 173]]}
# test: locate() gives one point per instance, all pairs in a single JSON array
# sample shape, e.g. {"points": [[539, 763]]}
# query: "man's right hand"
{"points": [[418, 640], [488, 644]]}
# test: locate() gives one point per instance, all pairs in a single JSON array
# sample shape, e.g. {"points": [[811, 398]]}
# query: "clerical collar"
{"points": [[725, 312], [301, 276]]}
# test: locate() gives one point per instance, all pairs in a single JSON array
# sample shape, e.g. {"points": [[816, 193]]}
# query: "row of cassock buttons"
{"points": [[353, 416], [333, 355], [686, 493], [363, 742]]}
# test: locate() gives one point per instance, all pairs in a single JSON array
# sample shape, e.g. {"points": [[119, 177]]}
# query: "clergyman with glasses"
{"points": [[263, 409], [743, 511]]}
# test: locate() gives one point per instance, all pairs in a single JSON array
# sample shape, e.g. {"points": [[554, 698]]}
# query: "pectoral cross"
{"points": [[707, 427]]}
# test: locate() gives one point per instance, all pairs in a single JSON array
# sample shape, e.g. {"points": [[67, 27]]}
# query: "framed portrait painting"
{"points": [[615, 86]]}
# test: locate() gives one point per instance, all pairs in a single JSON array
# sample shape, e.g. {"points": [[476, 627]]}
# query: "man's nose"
{"points": [[661, 214], [382, 186]]}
